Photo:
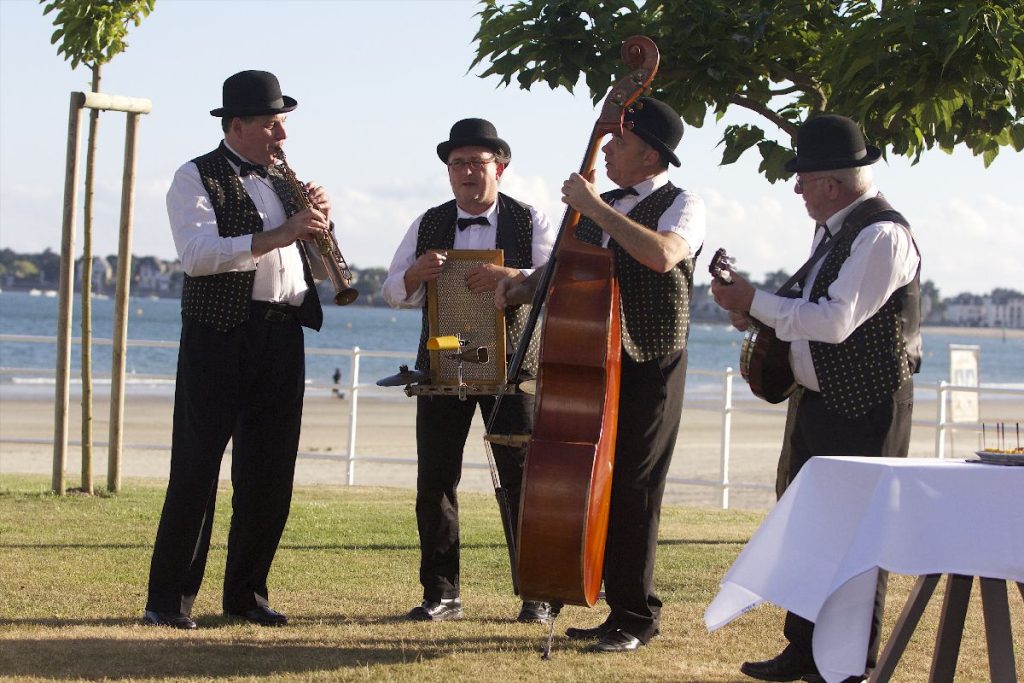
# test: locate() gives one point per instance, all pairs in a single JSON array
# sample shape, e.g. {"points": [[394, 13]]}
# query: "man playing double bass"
{"points": [[853, 332], [655, 231]]}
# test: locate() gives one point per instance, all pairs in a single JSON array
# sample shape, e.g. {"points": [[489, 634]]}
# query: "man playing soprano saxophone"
{"points": [[241, 362]]}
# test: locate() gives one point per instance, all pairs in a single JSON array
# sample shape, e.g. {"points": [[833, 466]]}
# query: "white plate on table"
{"points": [[994, 458]]}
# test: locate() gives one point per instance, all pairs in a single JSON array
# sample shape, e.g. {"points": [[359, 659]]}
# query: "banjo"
{"points": [[764, 358]]}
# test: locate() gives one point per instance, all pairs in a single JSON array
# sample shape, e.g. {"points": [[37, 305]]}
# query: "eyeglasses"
{"points": [[475, 164], [801, 182]]}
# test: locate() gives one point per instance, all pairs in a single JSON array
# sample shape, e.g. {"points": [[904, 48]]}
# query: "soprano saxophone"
{"points": [[327, 250]]}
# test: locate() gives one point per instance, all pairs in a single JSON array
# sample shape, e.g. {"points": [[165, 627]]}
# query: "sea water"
{"points": [[712, 347]]}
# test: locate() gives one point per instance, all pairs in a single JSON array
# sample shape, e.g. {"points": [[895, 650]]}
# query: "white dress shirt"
{"points": [[882, 259], [472, 237], [686, 216], [202, 251]]}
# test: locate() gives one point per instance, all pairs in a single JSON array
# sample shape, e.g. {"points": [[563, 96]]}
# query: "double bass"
{"points": [[566, 487]]}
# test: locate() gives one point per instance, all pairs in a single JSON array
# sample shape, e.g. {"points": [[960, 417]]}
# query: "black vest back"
{"points": [[222, 300], [655, 306], [879, 356]]}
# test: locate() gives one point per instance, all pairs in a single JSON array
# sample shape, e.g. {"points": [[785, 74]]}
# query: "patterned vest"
{"points": [[514, 236], [655, 306], [222, 300], [869, 366]]}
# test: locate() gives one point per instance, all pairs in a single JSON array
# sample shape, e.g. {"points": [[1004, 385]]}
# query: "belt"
{"points": [[274, 312]]}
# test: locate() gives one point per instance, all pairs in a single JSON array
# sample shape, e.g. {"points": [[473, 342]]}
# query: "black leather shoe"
{"points": [[616, 641], [264, 616], [789, 665], [534, 613], [171, 619], [588, 633], [442, 610]]}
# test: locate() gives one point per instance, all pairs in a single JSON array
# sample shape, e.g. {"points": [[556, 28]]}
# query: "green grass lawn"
{"points": [[73, 581]]}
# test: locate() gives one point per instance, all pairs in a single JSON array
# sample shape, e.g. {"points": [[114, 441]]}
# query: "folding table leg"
{"points": [[996, 609], [951, 628], [905, 625]]}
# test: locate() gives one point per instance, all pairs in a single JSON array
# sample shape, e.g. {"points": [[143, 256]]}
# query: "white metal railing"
{"points": [[944, 427]]}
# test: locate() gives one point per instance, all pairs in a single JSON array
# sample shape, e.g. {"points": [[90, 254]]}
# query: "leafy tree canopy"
{"points": [[916, 74], [94, 31]]}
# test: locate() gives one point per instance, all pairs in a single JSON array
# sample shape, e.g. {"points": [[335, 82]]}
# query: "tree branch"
{"points": [[785, 91], [801, 82], [764, 111]]}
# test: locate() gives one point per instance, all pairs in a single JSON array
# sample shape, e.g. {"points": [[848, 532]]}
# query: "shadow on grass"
{"points": [[699, 541], [382, 547], [184, 655]]}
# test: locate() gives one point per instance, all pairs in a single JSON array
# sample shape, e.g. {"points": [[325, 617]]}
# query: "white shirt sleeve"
{"points": [[686, 216], [544, 236], [201, 249], [882, 259], [393, 288]]}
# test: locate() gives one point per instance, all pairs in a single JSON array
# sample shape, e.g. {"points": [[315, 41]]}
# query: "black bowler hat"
{"points": [[473, 132], [656, 124], [828, 142], [253, 93]]}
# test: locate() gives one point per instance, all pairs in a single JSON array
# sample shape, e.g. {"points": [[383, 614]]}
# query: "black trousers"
{"points": [[650, 408], [817, 431], [442, 426], [245, 385]]}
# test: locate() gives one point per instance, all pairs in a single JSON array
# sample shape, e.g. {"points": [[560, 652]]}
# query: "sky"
{"points": [[379, 84]]}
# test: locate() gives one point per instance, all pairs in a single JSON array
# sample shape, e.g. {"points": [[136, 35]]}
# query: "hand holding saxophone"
{"points": [[307, 225], [318, 199]]}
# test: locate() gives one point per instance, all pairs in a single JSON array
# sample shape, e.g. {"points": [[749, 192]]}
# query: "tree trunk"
{"points": [[90, 163]]}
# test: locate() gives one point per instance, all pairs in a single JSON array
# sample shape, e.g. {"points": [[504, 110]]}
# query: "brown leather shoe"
{"points": [[789, 665], [169, 619]]}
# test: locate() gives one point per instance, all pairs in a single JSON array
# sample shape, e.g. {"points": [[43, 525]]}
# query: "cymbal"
{"points": [[405, 376]]}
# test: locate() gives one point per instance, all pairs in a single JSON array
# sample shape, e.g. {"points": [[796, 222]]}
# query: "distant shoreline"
{"points": [[985, 332]]}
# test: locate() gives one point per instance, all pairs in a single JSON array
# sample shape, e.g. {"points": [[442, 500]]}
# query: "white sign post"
{"points": [[963, 371]]}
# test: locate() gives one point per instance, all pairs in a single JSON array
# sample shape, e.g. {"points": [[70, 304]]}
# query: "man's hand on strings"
{"points": [[580, 193], [486, 276], [737, 296], [516, 289]]}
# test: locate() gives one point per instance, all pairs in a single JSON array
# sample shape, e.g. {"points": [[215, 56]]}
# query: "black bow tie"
{"points": [[619, 193], [244, 167], [464, 223]]}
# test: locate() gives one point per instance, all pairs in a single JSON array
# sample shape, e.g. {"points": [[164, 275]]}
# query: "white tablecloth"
{"points": [[819, 550]]}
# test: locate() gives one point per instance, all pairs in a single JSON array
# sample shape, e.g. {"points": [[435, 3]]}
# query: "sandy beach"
{"points": [[385, 446]]}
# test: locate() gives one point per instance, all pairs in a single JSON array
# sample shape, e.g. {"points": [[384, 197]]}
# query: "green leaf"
{"points": [[1017, 136], [737, 140]]}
